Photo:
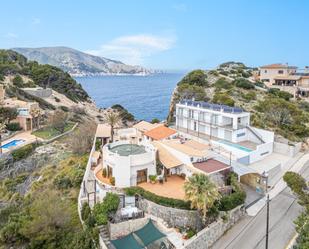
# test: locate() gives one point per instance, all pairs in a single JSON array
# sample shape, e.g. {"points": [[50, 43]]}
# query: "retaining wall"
{"points": [[210, 234], [122, 229], [172, 216]]}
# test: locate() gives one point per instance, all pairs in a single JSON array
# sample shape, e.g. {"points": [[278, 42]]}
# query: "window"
{"points": [[280, 72], [195, 128], [265, 71]]}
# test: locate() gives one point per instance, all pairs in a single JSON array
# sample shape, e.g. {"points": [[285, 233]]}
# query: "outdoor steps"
{"points": [[105, 235]]}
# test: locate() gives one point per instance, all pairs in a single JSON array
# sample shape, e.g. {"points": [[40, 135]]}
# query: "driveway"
{"points": [[249, 233]]}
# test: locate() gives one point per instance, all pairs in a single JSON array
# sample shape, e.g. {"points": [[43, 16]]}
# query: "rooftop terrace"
{"points": [[128, 149], [213, 107]]}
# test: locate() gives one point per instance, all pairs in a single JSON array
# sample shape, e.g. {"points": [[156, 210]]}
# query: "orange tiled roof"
{"points": [[277, 65], [160, 132]]}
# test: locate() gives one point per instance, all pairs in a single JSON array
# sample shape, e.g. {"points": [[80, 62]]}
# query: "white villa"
{"points": [[129, 163], [224, 126]]}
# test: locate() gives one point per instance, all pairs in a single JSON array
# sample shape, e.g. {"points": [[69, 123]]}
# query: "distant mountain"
{"points": [[78, 63]]}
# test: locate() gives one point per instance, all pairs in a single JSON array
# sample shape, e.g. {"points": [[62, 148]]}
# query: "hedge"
{"points": [[13, 127], [23, 152], [231, 201], [164, 201]]}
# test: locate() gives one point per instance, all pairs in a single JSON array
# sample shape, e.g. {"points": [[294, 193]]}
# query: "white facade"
{"points": [[220, 121], [125, 168], [225, 127]]}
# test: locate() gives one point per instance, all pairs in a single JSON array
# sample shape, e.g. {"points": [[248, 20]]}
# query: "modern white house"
{"points": [[226, 127], [129, 163]]}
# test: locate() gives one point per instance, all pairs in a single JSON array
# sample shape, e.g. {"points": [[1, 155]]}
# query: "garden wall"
{"points": [[210, 234], [172, 216], [121, 229]]}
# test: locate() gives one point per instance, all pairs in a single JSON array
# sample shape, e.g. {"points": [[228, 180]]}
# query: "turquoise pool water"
{"points": [[12, 143], [237, 146]]}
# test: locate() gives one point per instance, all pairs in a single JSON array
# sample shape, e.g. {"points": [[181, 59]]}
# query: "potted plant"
{"points": [[112, 180], [152, 178], [104, 172]]}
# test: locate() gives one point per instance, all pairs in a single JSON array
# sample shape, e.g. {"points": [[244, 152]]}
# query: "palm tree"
{"points": [[112, 118], [202, 192], [2, 129]]}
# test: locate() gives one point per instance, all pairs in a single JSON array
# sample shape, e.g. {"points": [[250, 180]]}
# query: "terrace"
{"points": [[172, 188]]}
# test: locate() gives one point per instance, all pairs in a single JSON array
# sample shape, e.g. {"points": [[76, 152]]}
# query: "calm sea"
{"points": [[146, 97]]}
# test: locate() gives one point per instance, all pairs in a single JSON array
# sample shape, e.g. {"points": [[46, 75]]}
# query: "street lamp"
{"points": [[265, 180]]}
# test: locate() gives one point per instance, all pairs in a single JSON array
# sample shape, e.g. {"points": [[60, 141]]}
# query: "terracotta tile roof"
{"points": [[160, 132], [211, 166], [144, 126], [165, 157], [277, 65]]}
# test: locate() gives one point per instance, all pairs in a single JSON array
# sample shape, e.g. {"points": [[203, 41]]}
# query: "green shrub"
{"points": [[152, 178], [18, 81], [112, 180], [281, 94], [63, 182], [223, 83], [13, 127], [190, 233], [155, 121], [164, 201], [98, 144], [231, 201], [249, 96], [243, 83], [223, 98], [196, 77], [108, 206], [104, 172], [23, 152], [260, 84], [86, 211], [57, 99], [64, 108]]}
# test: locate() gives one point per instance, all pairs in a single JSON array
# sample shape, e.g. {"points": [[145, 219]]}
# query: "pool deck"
{"points": [[26, 136]]}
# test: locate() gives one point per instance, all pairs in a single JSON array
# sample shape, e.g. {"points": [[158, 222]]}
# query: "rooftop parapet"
{"points": [[210, 106]]}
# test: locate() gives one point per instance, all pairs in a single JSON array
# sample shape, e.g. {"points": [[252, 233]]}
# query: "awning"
{"points": [[165, 157], [126, 242], [242, 169], [148, 234]]}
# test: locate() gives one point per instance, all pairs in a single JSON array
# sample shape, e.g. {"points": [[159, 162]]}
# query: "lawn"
{"points": [[50, 132]]}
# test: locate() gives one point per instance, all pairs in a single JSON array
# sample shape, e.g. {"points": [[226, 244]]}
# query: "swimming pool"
{"points": [[237, 146], [13, 143]]}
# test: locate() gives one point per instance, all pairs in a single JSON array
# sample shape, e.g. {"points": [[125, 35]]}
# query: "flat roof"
{"points": [[144, 126], [189, 147], [103, 130], [212, 107], [160, 132], [211, 166]]}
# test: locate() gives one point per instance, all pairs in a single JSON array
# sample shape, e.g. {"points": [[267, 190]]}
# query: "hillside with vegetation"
{"points": [[232, 84], [15, 64], [39, 186]]}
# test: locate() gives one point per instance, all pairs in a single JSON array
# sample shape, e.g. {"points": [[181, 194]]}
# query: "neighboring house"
{"points": [[24, 109], [225, 127], [286, 78], [160, 133], [144, 126]]}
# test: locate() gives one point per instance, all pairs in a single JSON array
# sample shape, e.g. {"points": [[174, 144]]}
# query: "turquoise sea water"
{"points": [[146, 97]]}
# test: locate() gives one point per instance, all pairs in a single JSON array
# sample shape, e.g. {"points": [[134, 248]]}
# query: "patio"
{"points": [[101, 179], [172, 188]]}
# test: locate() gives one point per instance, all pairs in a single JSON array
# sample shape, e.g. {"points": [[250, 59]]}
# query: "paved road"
{"points": [[249, 233]]}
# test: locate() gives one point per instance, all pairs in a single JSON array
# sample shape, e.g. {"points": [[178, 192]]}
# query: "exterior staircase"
{"points": [[255, 134]]}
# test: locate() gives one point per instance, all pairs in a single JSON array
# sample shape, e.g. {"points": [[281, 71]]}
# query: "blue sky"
{"points": [[164, 34]]}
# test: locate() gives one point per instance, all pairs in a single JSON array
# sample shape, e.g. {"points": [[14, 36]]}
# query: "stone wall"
{"points": [[172, 216], [210, 234], [121, 229]]}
